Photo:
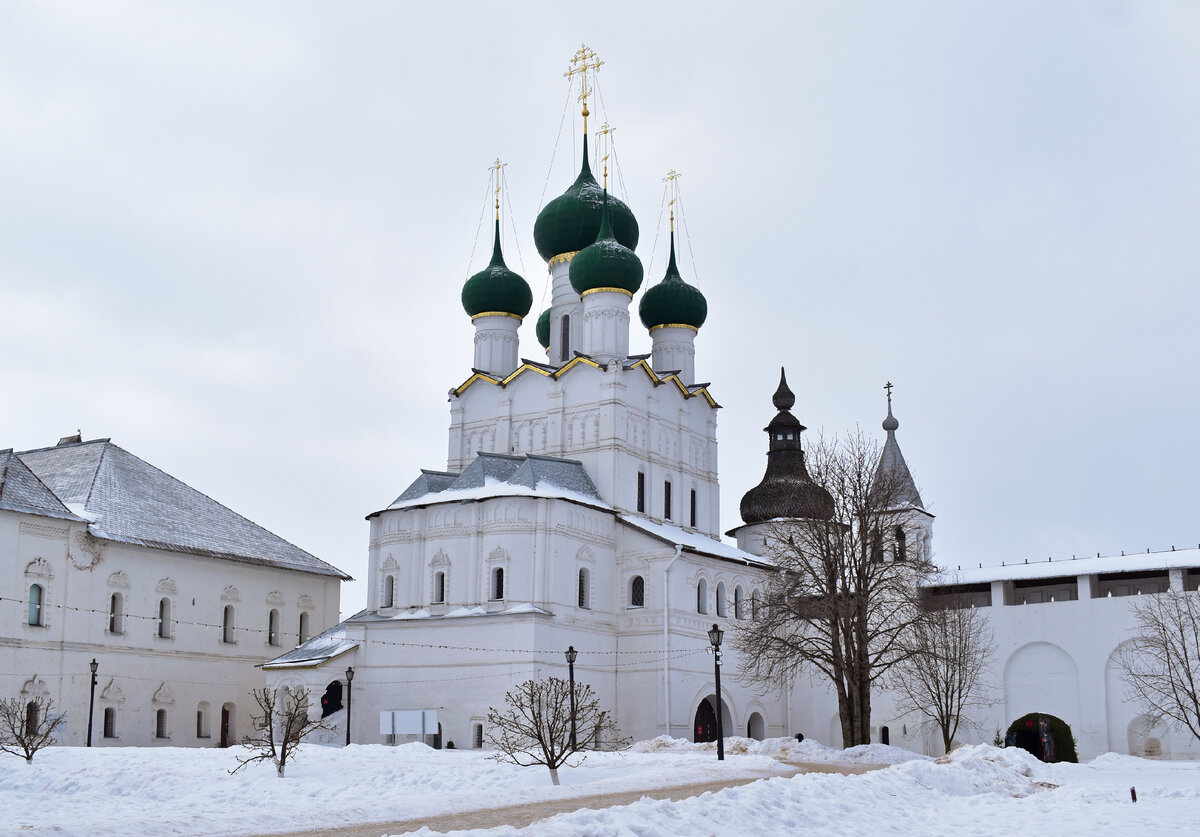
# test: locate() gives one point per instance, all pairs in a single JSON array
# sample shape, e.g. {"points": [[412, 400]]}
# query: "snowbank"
{"points": [[978, 790], [787, 750]]}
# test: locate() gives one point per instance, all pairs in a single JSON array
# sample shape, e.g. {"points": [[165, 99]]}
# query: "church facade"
{"points": [[579, 509]]}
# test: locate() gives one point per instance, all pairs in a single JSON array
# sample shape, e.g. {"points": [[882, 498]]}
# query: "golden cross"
{"points": [[670, 179], [606, 146], [495, 168], [584, 60]]}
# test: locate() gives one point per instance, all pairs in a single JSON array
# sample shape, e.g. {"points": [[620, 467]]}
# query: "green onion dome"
{"points": [[606, 262], [496, 289], [673, 301], [543, 330], [571, 221]]}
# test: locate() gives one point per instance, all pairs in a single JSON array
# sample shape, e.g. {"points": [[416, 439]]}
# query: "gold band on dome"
{"points": [[562, 257], [495, 314], [607, 290], [674, 325]]}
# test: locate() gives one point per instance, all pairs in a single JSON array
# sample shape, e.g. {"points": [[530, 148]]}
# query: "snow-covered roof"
{"points": [[424, 613], [130, 501], [1134, 562], [21, 490], [320, 649], [500, 475], [692, 541]]}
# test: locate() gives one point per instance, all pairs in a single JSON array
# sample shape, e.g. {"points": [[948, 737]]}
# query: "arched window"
{"points": [[110, 722], [901, 550], [36, 596], [702, 596], [477, 736], [116, 614], [439, 587], [389, 591], [227, 625], [273, 627], [585, 599], [160, 724], [31, 718], [164, 618], [721, 598], [739, 605], [498, 583], [637, 591], [303, 626], [564, 349]]}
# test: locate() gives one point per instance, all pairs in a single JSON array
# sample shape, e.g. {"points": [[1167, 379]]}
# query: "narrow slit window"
{"points": [[641, 492], [666, 500]]}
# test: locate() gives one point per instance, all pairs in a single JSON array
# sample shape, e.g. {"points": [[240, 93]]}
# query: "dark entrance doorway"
{"points": [[331, 701], [225, 727], [705, 726], [885, 735]]}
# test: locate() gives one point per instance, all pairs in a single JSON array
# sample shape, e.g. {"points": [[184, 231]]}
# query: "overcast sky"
{"points": [[233, 238]]}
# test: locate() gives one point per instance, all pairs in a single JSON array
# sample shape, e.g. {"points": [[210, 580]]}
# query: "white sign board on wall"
{"points": [[408, 722]]}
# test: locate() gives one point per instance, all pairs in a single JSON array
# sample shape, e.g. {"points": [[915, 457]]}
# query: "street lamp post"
{"points": [[715, 635], [572, 654], [92, 700], [349, 692]]}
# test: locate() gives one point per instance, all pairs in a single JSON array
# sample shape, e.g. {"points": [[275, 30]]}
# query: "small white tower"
{"points": [[673, 310], [497, 300]]}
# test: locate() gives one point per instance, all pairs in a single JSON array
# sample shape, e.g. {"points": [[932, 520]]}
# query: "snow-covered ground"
{"points": [[978, 790]]}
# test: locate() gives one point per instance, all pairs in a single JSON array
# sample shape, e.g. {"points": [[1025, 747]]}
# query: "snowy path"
{"points": [[521, 816]]}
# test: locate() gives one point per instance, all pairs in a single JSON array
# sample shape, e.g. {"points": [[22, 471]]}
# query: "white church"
{"points": [[579, 508]]}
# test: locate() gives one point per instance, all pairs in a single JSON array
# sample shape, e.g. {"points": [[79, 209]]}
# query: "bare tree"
{"points": [[844, 596], [279, 729], [27, 726], [1161, 664], [944, 675], [534, 726]]}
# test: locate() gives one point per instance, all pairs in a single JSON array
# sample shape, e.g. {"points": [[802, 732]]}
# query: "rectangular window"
{"points": [[641, 495], [693, 517], [477, 737], [667, 500]]}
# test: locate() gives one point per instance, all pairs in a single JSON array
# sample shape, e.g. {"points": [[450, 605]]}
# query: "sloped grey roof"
{"points": [[497, 474], [430, 482], [320, 649], [568, 474], [21, 490], [130, 501], [893, 467], [495, 466]]}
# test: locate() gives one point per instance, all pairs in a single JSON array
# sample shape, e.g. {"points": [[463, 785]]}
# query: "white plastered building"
{"points": [[104, 557]]}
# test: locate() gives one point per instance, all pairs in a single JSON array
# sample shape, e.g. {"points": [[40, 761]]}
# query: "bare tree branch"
{"points": [[840, 604], [27, 726], [1161, 664], [280, 728], [534, 726], [944, 675]]}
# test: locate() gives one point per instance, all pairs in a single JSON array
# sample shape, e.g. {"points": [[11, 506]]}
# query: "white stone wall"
{"points": [[462, 665], [141, 672], [617, 422], [1054, 657]]}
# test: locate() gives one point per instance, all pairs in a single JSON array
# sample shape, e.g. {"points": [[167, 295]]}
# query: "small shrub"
{"points": [[450, 744], [1023, 733]]}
